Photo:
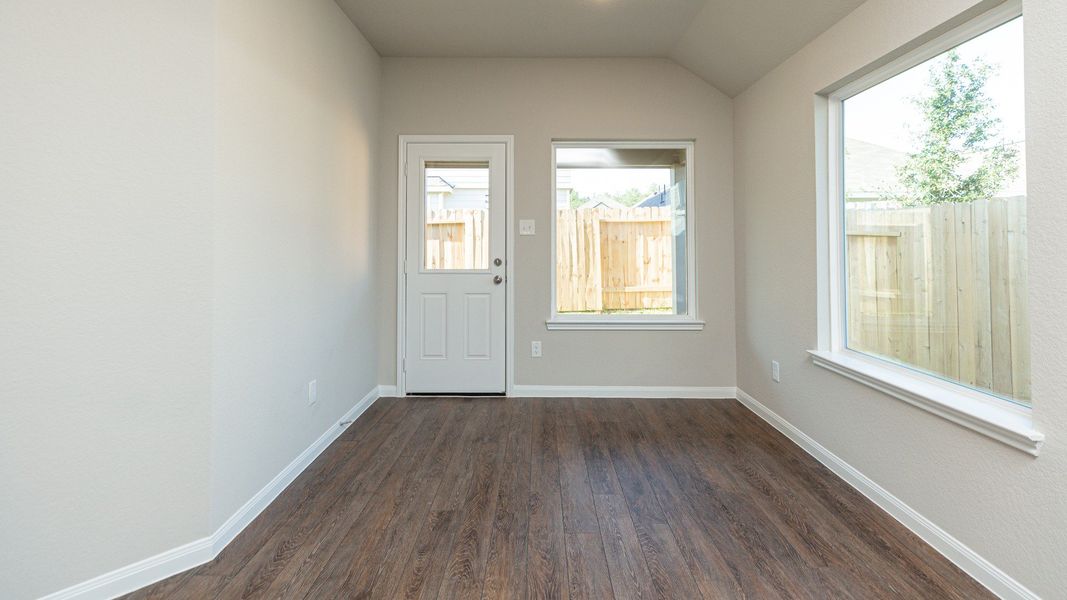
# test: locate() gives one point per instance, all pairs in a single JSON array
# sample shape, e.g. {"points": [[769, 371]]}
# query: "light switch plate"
{"points": [[527, 227]]}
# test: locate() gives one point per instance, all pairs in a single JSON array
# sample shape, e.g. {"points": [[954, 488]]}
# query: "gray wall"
{"points": [[105, 274], [186, 239], [293, 271], [541, 99], [1007, 506]]}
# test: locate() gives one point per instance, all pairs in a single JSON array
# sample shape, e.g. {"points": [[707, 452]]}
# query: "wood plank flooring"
{"points": [[569, 498]]}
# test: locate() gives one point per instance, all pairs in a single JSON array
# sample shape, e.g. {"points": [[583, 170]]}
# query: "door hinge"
{"points": [[403, 365], [405, 169]]}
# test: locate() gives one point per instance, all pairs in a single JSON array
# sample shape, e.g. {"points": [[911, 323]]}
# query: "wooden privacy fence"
{"points": [[457, 238], [943, 288], [614, 259]]}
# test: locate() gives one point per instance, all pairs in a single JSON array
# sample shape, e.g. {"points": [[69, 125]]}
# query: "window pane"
{"points": [[935, 217], [456, 215], [620, 230]]}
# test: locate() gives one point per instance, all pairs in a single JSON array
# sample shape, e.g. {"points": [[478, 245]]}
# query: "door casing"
{"points": [[509, 251]]}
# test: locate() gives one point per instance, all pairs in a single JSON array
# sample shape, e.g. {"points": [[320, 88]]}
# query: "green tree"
{"points": [[630, 197], [575, 200], [961, 130]]}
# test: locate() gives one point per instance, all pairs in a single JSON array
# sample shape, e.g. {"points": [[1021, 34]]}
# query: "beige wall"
{"points": [[537, 100], [1006, 505], [293, 272], [186, 239], [105, 272]]}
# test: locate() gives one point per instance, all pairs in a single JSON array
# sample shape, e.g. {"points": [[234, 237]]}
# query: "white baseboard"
{"points": [[621, 391], [155, 568], [139, 574], [387, 391], [985, 572]]}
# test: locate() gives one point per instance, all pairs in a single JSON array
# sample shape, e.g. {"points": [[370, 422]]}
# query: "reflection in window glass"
{"points": [[935, 217], [456, 215], [620, 230]]}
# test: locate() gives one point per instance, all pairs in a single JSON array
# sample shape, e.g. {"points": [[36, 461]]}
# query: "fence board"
{"points": [[611, 259], [983, 314], [456, 238], [1000, 296], [943, 288], [965, 293], [1018, 301]]}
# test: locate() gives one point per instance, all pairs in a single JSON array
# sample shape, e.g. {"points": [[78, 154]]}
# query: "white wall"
{"points": [[1009, 507], [541, 99], [293, 273], [186, 238], [105, 272]]}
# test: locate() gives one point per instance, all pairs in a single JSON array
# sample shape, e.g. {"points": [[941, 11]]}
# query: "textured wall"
{"points": [[187, 239], [293, 278], [1007, 506], [541, 99], [105, 273]]}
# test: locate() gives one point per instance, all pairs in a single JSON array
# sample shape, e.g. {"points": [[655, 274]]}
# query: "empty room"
{"points": [[500, 299]]}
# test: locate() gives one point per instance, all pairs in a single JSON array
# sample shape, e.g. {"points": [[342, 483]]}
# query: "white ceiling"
{"points": [[729, 43], [732, 43]]}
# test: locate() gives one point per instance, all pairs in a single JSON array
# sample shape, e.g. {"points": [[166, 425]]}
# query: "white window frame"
{"points": [[688, 321], [985, 413]]}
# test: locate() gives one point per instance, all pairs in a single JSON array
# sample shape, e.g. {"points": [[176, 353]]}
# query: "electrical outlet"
{"points": [[776, 373], [535, 349], [313, 392]]}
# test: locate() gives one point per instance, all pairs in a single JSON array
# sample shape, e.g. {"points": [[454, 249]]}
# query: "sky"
{"points": [[878, 114], [589, 183]]}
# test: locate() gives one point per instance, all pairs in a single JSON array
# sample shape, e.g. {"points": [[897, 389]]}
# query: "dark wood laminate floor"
{"points": [[579, 498]]}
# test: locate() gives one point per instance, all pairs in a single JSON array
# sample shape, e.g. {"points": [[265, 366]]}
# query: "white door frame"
{"points": [[401, 247]]}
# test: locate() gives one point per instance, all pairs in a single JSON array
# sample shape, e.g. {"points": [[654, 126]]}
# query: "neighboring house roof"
{"points": [[601, 202], [657, 199], [435, 183], [870, 169]]}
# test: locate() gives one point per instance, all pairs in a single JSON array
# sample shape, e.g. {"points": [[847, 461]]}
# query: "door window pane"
{"points": [[935, 217], [456, 215], [620, 230]]}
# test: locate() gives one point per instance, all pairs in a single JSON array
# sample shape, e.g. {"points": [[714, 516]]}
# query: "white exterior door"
{"points": [[454, 268]]}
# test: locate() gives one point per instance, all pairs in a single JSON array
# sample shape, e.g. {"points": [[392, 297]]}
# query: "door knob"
{"points": [[497, 262], [498, 280]]}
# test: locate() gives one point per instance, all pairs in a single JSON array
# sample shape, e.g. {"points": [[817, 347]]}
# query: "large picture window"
{"points": [[622, 237], [931, 213]]}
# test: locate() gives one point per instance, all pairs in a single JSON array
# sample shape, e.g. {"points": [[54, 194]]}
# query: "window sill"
{"points": [[623, 325], [1005, 424]]}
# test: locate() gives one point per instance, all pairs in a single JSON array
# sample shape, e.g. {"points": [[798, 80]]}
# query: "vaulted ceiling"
{"points": [[729, 43]]}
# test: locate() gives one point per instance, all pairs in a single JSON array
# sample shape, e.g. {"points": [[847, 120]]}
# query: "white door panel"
{"points": [[455, 288], [478, 326], [434, 333]]}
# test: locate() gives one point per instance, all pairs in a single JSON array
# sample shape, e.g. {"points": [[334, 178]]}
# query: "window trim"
{"points": [[686, 322], [985, 413]]}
